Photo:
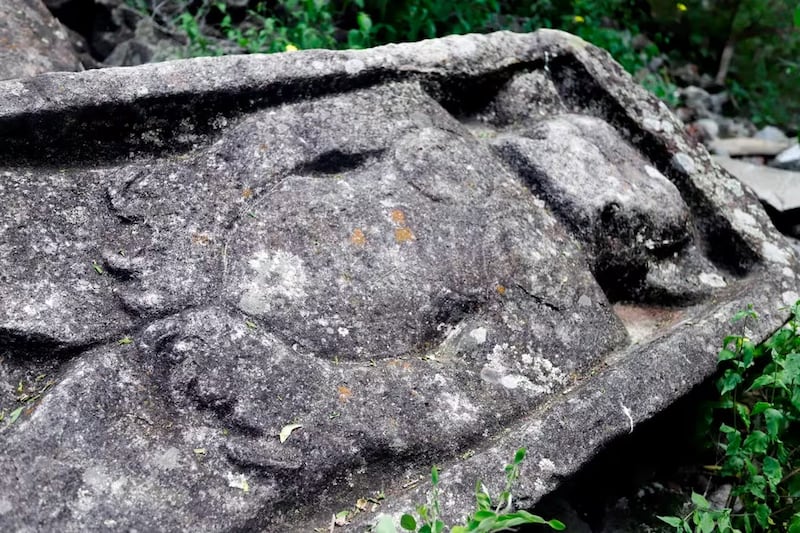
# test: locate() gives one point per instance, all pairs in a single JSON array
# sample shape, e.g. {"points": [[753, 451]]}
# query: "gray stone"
{"points": [[708, 127], [747, 146], [771, 133], [380, 249], [789, 159], [32, 41], [778, 188]]}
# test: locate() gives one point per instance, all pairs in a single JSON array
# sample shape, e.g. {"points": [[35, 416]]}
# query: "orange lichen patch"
{"points": [[358, 238], [202, 239], [500, 290], [344, 393], [403, 235], [398, 216], [247, 193]]}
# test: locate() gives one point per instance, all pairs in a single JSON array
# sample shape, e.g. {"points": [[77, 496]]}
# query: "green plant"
{"points": [[758, 442], [487, 518]]}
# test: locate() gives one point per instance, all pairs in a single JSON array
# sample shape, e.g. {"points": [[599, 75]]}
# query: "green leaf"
{"points": [[699, 501], [760, 407], [673, 521], [14, 415], [385, 524], [364, 22], [482, 496], [558, 525], [729, 381], [756, 442], [756, 486], [793, 487], [794, 523], [425, 529], [774, 420], [706, 524], [726, 355], [434, 476], [762, 381], [797, 17], [744, 413], [762, 514], [408, 522], [519, 456], [792, 367], [483, 514], [772, 471]]}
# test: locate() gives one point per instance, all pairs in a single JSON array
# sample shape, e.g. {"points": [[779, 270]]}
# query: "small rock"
{"points": [[778, 188], [789, 159], [746, 146], [771, 133], [708, 128], [719, 498], [735, 127]]}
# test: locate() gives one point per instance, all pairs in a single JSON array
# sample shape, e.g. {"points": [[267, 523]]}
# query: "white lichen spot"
{"points": [[456, 410], [788, 272], [5, 506], [772, 253], [654, 172], [789, 297], [684, 163], [278, 276], [747, 223], [238, 481], [344, 332], [546, 465], [511, 369], [652, 124], [733, 185], [584, 301], [169, 460], [479, 335], [354, 66], [712, 280]]}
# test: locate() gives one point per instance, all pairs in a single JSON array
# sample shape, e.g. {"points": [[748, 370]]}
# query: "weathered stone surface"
{"points": [[433, 252], [32, 41]]}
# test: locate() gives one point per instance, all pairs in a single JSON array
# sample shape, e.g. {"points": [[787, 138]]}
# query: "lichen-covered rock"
{"points": [[242, 293]]}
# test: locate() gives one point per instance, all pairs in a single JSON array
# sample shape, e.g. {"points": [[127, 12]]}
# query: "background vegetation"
{"points": [[751, 47]]}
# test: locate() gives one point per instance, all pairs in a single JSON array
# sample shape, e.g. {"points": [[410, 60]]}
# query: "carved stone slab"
{"points": [[422, 253]]}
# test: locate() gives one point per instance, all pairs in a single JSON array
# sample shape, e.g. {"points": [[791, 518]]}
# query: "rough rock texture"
{"points": [[32, 41], [417, 253]]}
